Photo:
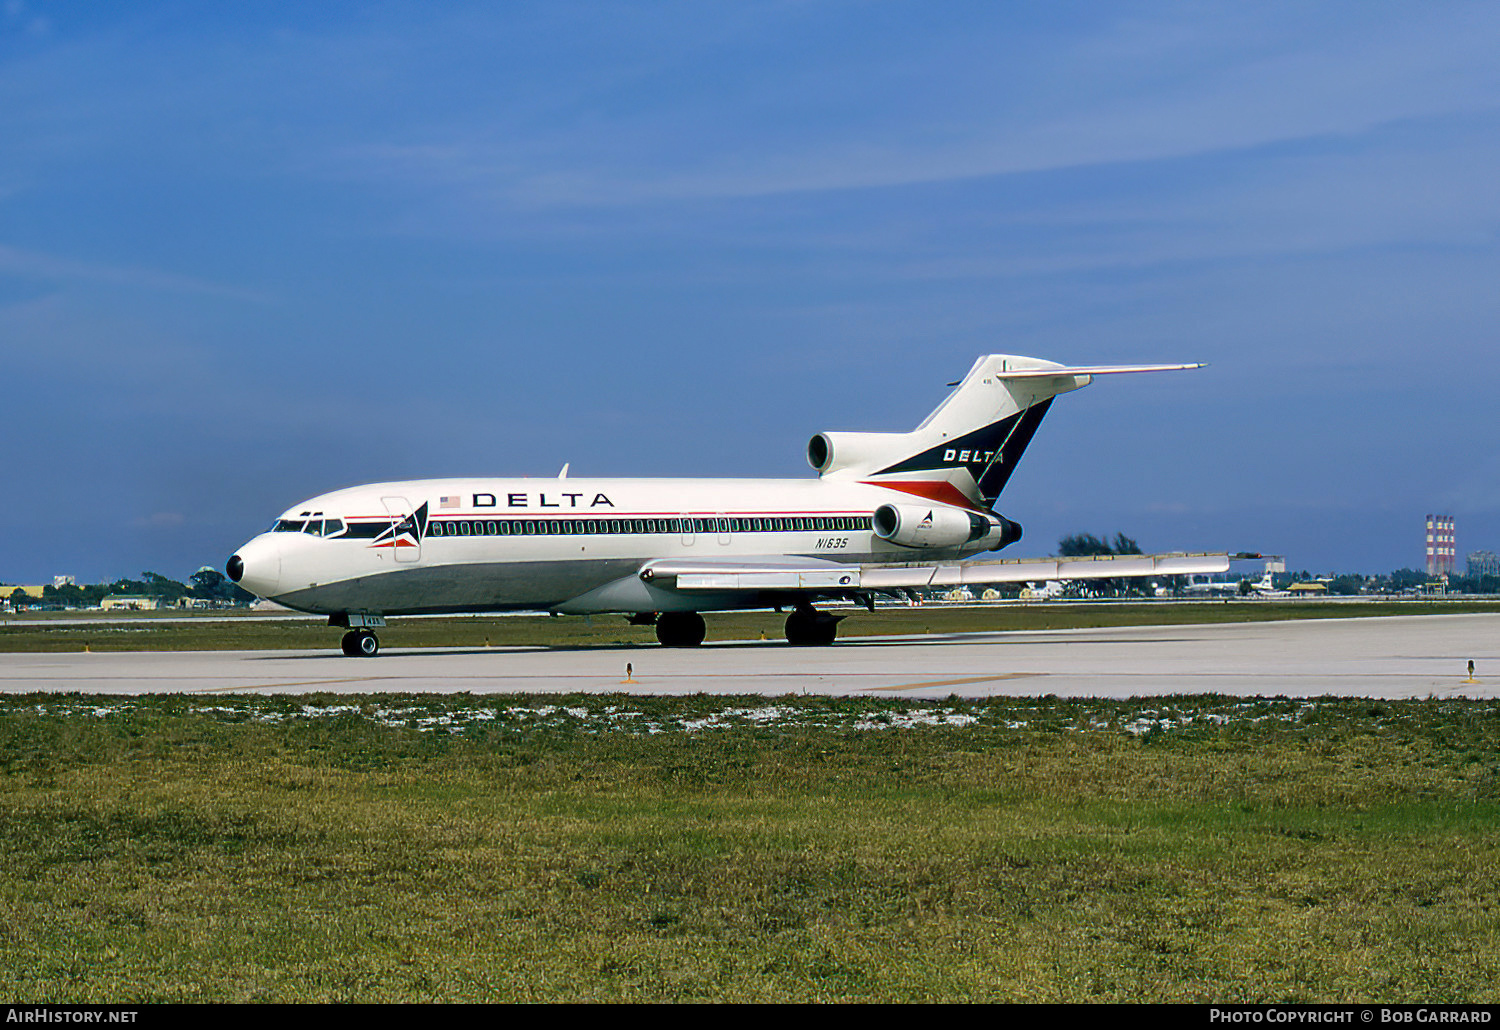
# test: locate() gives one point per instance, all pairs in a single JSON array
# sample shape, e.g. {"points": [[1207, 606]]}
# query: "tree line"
{"points": [[1401, 581], [208, 584], [205, 585]]}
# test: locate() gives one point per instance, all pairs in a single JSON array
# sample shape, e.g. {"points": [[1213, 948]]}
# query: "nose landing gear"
{"points": [[360, 643]]}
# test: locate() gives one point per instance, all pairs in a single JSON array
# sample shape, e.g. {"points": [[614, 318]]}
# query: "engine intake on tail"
{"points": [[858, 452]]}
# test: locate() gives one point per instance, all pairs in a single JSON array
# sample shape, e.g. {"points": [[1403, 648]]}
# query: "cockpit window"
{"points": [[316, 526]]}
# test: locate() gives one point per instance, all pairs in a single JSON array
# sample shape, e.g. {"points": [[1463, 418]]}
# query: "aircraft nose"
{"points": [[257, 567]]}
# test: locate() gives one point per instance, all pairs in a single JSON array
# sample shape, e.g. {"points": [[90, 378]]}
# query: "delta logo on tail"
{"points": [[989, 454]]}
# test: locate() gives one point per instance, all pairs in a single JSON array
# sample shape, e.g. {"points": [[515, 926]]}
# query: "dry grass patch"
{"points": [[171, 849]]}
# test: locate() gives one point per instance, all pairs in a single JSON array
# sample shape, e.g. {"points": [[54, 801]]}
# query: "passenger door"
{"points": [[406, 530]]}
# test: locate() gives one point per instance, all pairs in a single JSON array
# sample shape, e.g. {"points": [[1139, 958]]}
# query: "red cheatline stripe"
{"points": [[933, 490], [661, 515], [527, 513]]}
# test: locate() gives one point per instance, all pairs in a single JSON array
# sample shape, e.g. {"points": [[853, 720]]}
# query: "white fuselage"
{"points": [[462, 545]]}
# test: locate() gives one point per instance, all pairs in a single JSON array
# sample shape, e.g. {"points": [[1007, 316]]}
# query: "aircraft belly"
{"points": [[478, 586]]}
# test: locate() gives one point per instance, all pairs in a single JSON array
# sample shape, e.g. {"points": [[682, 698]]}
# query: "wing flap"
{"points": [[834, 577], [721, 576], [769, 580], [1020, 570]]}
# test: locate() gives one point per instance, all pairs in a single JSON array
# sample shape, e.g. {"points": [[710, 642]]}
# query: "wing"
{"points": [[678, 585], [834, 578]]}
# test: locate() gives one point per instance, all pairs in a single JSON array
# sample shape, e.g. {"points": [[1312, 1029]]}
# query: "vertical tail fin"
{"points": [[965, 451]]}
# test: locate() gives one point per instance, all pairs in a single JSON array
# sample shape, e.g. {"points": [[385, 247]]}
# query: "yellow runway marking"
{"points": [[970, 679]]}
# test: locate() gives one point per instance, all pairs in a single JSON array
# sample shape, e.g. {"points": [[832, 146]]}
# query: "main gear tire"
{"points": [[808, 627], [680, 629]]}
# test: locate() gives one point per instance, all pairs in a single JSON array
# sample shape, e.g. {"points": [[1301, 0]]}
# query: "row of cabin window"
{"points": [[586, 527]]}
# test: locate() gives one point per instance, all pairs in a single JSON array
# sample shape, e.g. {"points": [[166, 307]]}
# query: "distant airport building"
{"points": [[1484, 563], [1441, 548], [130, 602]]}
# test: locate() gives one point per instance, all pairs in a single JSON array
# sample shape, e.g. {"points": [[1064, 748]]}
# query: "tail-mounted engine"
{"points": [[855, 452], [941, 526]]}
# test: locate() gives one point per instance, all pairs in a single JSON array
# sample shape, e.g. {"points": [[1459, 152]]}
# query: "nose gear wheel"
{"points": [[360, 643]]}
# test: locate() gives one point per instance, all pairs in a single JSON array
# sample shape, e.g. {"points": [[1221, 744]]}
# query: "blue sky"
{"points": [[251, 253]]}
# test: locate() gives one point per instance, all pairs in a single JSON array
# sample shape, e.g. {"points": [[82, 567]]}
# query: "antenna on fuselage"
{"points": [[564, 473]]}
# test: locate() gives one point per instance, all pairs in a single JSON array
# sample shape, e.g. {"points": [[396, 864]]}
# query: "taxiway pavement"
{"points": [[1390, 657]]}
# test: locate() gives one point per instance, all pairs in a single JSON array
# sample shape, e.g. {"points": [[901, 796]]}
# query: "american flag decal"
{"points": [[448, 502]]}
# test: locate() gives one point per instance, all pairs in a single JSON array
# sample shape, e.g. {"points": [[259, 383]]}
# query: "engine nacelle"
{"points": [[862, 452], [924, 526]]}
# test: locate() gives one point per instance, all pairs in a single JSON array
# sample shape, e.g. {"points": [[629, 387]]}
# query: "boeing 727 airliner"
{"points": [[889, 513]]}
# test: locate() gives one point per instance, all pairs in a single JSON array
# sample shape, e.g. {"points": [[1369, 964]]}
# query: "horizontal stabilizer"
{"points": [[1087, 370]]}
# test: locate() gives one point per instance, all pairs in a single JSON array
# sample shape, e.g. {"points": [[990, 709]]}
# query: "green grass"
{"points": [[591, 849], [165, 633]]}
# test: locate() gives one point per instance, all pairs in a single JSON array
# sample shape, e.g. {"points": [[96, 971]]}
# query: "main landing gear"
{"points": [[360, 643], [806, 626], [680, 629], [810, 627]]}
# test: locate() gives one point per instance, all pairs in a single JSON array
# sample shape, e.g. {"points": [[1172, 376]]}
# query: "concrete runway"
{"points": [[1394, 657]]}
